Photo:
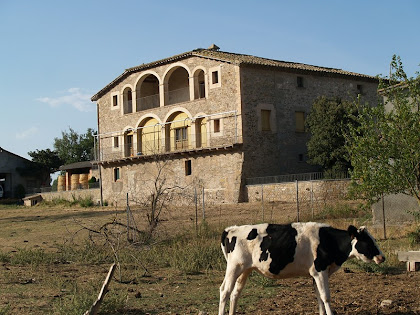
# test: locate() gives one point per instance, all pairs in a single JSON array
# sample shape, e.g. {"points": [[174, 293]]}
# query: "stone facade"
{"points": [[214, 119]]}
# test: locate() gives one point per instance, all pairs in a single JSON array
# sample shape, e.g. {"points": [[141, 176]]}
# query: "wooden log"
{"points": [[97, 304]]}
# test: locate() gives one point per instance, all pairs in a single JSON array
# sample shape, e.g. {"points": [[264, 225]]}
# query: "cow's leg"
{"points": [[240, 284], [232, 274], [321, 280], [318, 297]]}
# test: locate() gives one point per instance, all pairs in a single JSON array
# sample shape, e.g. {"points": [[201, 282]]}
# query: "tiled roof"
{"points": [[240, 60]]}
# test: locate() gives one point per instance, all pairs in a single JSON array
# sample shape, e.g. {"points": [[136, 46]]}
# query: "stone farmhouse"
{"points": [[215, 118]]}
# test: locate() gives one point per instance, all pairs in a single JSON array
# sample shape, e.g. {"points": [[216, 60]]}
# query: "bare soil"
{"points": [[37, 290]]}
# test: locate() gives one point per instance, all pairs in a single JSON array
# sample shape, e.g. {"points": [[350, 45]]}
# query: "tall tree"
{"points": [[72, 147], [47, 158], [328, 123], [385, 147]]}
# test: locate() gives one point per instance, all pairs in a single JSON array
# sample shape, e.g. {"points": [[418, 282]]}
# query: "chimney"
{"points": [[214, 47]]}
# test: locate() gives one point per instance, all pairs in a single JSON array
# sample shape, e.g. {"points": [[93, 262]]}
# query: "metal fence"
{"points": [[295, 177]]}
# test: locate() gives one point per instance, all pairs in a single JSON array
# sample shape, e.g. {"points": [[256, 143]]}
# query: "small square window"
{"points": [[215, 77], [300, 121], [188, 170], [116, 142], [299, 81], [116, 174], [359, 89], [265, 120], [216, 125], [115, 100]]}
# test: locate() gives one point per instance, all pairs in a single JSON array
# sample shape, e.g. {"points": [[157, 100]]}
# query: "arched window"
{"points": [[201, 132], [127, 101], [178, 88], [148, 137], [128, 143], [199, 85], [147, 93], [177, 132]]}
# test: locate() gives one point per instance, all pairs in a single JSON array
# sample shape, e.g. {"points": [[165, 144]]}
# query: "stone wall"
{"points": [[286, 192], [93, 193], [219, 172], [282, 150]]}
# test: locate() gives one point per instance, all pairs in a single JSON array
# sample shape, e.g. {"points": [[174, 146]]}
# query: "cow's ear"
{"points": [[352, 231]]}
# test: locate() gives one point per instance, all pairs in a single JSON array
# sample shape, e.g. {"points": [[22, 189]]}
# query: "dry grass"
{"points": [[49, 265]]}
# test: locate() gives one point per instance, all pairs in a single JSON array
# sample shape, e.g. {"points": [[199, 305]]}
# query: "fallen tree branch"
{"points": [[95, 306]]}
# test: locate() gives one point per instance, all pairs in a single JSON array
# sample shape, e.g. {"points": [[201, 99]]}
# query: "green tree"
{"points": [[73, 147], [47, 158], [328, 124], [384, 147]]}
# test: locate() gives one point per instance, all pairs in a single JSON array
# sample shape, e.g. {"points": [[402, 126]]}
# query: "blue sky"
{"points": [[55, 55]]}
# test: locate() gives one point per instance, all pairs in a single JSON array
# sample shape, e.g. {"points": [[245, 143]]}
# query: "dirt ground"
{"points": [[351, 293], [34, 291]]}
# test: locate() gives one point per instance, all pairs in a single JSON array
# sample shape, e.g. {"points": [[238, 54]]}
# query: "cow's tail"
{"points": [[223, 244]]}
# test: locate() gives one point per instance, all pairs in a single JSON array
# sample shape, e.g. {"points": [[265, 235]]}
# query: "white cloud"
{"points": [[24, 134], [74, 97]]}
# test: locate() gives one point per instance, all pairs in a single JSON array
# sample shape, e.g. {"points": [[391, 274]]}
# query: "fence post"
{"points": [[383, 215], [297, 199], [196, 209], [128, 220], [204, 207], [312, 198], [262, 201]]}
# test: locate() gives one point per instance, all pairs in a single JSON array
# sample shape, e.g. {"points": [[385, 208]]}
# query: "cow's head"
{"points": [[364, 246]]}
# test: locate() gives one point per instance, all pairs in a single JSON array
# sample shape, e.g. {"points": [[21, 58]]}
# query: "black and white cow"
{"points": [[291, 250]]}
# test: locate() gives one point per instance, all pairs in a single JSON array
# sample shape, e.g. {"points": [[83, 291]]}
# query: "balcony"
{"points": [[167, 140], [148, 102], [178, 96]]}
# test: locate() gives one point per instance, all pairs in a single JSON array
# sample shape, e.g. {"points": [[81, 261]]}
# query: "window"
{"points": [[188, 170], [359, 89], [215, 77], [300, 121], [181, 137], [116, 142], [299, 81], [116, 174], [115, 100], [300, 157], [265, 120], [216, 125]]}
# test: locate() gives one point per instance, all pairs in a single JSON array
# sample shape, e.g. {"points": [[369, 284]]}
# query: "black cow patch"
{"points": [[281, 244], [252, 235], [334, 247], [229, 245], [366, 246]]}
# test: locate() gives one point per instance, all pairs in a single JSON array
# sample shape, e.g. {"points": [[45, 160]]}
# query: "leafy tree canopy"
{"points": [[73, 147], [47, 158], [328, 123], [384, 147]]}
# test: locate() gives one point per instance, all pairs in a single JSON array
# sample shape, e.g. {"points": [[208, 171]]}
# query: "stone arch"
{"points": [[128, 144], [201, 130], [176, 81], [127, 93], [178, 130], [149, 135], [147, 91], [200, 82]]}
